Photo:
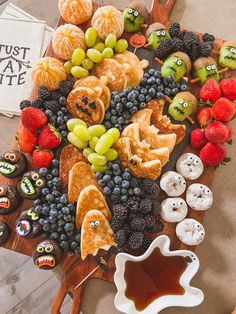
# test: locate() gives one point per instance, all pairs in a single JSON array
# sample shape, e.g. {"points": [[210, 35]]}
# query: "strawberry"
{"points": [[223, 109], [216, 132], [210, 91], [33, 118], [228, 87], [42, 158], [49, 137], [198, 139], [212, 154], [230, 133], [204, 116], [27, 140]]}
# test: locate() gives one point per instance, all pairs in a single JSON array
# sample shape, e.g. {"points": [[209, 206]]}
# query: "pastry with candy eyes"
{"points": [[47, 255], [4, 232], [190, 231], [173, 183], [173, 209], [9, 199], [27, 225], [30, 185], [190, 166], [12, 163], [199, 196]]}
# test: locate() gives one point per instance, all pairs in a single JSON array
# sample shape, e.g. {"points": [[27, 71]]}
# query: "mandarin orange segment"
{"points": [[75, 11], [108, 20], [66, 39], [48, 72]]}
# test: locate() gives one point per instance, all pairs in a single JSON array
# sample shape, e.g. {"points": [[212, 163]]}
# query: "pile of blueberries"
{"points": [[123, 105], [57, 216]]}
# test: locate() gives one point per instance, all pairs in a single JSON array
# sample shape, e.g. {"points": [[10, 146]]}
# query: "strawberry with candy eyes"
{"points": [[12, 163], [30, 185]]}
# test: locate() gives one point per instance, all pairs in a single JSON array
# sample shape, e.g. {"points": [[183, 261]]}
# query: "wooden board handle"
{"points": [[161, 12]]}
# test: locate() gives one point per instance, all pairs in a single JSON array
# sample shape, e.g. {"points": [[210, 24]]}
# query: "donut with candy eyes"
{"points": [[4, 232], [173, 209], [190, 231], [9, 199], [47, 255], [173, 183], [27, 225], [199, 196], [30, 185], [12, 163], [190, 166]]}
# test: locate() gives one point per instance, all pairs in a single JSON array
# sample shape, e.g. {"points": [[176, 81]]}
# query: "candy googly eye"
{"points": [[207, 191], [49, 248], [196, 161], [39, 182], [35, 176], [179, 62], [13, 157], [208, 68], [231, 50], [173, 204], [174, 60], [158, 33], [130, 10], [201, 187], [97, 223], [190, 158], [7, 156], [181, 203], [92, 224], [234, 51], [181, 101], [135, 13], [30, 212], [185, 105], [40, 248], [213, 67], [3, 190], [163, 33]]}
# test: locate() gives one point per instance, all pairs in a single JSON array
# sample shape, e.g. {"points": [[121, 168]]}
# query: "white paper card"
{"points": [[20, 46]]}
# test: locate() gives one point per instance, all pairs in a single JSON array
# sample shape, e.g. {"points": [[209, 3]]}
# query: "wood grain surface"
{"points": [[73, 269]]}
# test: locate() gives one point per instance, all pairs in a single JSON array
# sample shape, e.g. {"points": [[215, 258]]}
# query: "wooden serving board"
{"points": [[72, 268]]}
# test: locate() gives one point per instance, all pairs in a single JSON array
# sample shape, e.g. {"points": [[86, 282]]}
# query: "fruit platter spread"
{"points": [[112, 152]]}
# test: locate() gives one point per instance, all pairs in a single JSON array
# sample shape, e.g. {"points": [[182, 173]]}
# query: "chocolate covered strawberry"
{"points": [[228, 87], [49, 137], [26, 139], [210, 91], [213, 154], [216, 132], [198, 139], [42, 158], [33, 118], [223, 110], [204, 116]]}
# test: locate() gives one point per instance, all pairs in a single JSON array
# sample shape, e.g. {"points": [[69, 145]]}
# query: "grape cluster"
{"points": [[134, 206], [53, 104], [56, 214], [123, 105]]}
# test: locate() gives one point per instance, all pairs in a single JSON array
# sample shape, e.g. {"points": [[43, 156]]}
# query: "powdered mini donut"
{"points": [[199, 196], [173, 209], [190, 166], [173, 183], [190, 231]]}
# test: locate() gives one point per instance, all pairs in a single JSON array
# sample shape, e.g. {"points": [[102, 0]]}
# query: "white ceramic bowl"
{"points": [[191, 297]]}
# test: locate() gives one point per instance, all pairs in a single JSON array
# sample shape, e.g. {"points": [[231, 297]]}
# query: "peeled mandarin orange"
{"points": [[108, 20], [66, 39], [75, 11], [48, 72]]}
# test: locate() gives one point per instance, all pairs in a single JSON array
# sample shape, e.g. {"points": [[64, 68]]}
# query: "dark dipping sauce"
{"points": [[156, 276]]}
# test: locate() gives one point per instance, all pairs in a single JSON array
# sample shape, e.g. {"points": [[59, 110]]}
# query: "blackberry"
{"points": [[164, 49], [177, 44], [158, 227], [208, 37], [120, 212], [56, 96], [44, 93], [24, 104], [194, 53], [145, 206], [115, 199], [51, 105], [156, 207], [190, 39], [65, 88], [132, 204], [175, 30], [150, 222], [206, 49], [150, 187], [120, 237], [37, 103], [116, 224], [138, 224], [146, 242], [135, 240]]}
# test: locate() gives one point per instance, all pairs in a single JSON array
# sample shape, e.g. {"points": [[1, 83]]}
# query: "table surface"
{"points": [[24, 289]]}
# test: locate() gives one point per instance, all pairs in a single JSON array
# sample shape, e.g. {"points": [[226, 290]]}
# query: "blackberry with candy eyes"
{"points": [[12, 163], [9, 199], [30, 185], [27, 225], [4, 232], [47, 255]]}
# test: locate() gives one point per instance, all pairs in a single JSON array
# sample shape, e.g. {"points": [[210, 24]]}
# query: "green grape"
{"points": [[115, 133], [97, 159], [107, 53], [79, 72], [99, 46], [94, 55], [104, 143], [97, 130], [111, 154], [87, 151], [90, 37], [121, 45], [88, 64], [68, 65], [82, 133], [73, 122], [96, 168], [110, 41], [93, 141], [78, 56], [73, 139]]}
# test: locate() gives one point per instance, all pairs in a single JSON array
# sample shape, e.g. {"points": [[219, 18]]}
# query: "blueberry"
{"points": [[125, 184], [73, 245], [49, 113], [49, 184], [151, 71], [124, 198], [64, 134], [137, 191], [49, 176], [37, 202], [134, 109], [123, 100], [64, 245], [54, 235], [124, 191], [129, 104], [77, 237], [117, 179], [109, 172], [63, 236], [170, 79], [50, 198], [160, 88], [56, 194], [116, 98], [106, 178], [61, 223], [114, 119], [141, 97], [158, 74], [121, 120], [60, 120], [144, 91], [53, 212], [183, 87], [116, 191], [71, 207], [131, 192], [111, 184], [65, 210], [106, 190], [64, 109], [112, 104], [62, 101], [148, 97], [67, 218], [142, 105], [38, 209], [52, 220], [115, 167], [146, 75], [60, 113], [167, 91], [62, 127], [45, 191], [53, 119], [69, 226], [174, 91], [108, 125], [77, 250], [126, 175], [98, 175], [45, 210], [56, 181], [63, 199], [160, 95], [55, 163], [43, 172], [41, 221], [53, 206], [119, 106], [151, 81]]}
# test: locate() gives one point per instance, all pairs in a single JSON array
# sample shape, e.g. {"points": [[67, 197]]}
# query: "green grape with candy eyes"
{"points": [[121, 45], [110, 41], [97, 130], [90, 37], [94, 55], [104, 143], [79, 72], [73, 122], [78, 56], [107, 53], [97, 159], [87, 64], [82, 133]]}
